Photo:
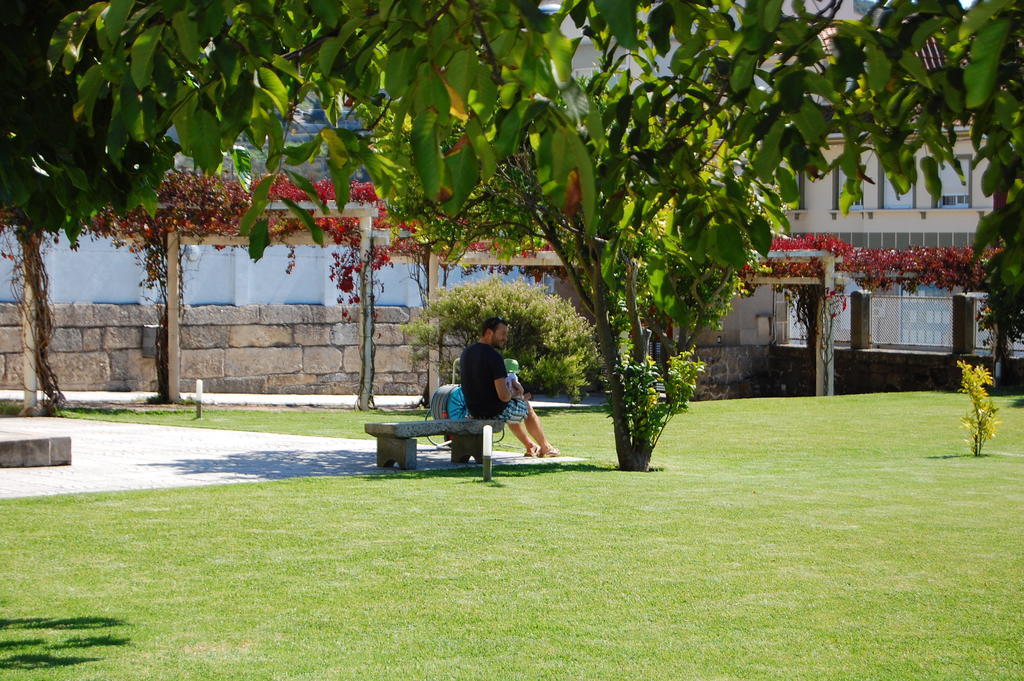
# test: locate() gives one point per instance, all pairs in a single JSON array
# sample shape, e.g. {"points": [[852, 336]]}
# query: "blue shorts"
{"points": [[516, 411]]}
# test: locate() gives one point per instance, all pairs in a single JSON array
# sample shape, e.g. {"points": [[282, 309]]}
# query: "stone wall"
{"points": [[308, 349], [734, 371], [867, 371]]}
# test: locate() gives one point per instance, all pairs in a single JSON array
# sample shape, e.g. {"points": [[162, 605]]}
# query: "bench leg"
{"points": [[396, 450], [465, 447]]}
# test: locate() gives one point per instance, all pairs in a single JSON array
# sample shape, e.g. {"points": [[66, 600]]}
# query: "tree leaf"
{"points": [[730, 246], [931, 177], [242, 160], [742, 74], [273, 86], [205, 142], [426, 152], [980, 74], [327, 11], [337, 152], [621, 18], [114, 16], [464, 170], [659, 27], [259, 239], [302, 214], [88, 89], [188, 36], [142, 56]]}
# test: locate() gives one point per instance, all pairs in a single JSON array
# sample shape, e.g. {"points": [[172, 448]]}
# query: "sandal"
{"points": [[552, 451]]}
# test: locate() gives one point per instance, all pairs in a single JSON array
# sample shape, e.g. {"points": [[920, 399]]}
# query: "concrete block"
{"points": [[199, 315], [262, 361], [203, 364], [10, 339], [204, 337], [321, 360], [259, 336], [20, 450], [346, 333], [309, 335]]}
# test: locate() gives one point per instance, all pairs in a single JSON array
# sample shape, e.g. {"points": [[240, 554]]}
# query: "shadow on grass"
{"points": [[472, 473], [43, 653]]}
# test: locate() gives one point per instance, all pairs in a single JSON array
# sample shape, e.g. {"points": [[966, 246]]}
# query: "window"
{"points": [[840, 176], [956, 193], [890, 199]]}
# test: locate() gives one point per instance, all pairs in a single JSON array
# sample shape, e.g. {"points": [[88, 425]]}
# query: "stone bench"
{"points": [[396, 442]]}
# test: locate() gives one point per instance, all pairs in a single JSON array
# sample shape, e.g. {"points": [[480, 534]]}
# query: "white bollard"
{"points": [[199, 398], [487, 437]]}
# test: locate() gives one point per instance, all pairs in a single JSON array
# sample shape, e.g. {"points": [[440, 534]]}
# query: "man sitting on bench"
{"points": [[488, 395]]}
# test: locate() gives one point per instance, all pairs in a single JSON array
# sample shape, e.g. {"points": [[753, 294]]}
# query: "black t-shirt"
{"points": [[481, 365]]}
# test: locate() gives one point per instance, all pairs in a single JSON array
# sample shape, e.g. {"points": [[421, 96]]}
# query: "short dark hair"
{"points": [[492, 323]]}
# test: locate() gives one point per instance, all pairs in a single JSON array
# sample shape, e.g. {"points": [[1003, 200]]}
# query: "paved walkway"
{"points": [[110, 456]]}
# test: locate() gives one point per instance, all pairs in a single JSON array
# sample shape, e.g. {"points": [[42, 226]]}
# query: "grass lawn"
{"points": [[839, 538]]}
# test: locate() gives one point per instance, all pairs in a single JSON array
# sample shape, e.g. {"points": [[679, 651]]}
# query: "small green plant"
{"points": [[649, 411], [980, 422]]}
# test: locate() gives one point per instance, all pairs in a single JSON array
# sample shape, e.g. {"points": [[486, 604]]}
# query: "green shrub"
{"points": [[555, 346]]}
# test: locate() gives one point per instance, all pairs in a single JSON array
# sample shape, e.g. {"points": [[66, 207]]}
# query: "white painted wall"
{"points": [[97, 272]]}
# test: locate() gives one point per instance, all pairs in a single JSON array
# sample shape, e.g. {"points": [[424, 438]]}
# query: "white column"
{"points": [[30, 375], [173, 318]]}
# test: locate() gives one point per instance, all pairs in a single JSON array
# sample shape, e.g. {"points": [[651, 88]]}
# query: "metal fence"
{"points": [[908, 321]]}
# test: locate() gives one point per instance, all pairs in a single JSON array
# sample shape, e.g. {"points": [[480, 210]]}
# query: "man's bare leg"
{"points": [[519, 430], [532, 422]]}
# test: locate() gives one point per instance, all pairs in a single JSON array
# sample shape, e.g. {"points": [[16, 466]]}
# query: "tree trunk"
{"points": [[632, 456]]}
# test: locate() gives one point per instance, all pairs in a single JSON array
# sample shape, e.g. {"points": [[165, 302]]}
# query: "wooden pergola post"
{"points": [[365, 313], [434, 359]]}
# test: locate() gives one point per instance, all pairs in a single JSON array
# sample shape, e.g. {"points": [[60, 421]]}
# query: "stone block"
{"points": [[252, 384], [81, 370], [261, 361], [10, 315], [10, 339], [396, 358], [259, 336], [341, 377], [66, 340], [21, 450], [276, 382], [298, 314], [204, 337], [204, 364], [92, 339], [392, 314], [389, 334], [200, 315], [346, 334], [131, 366], [351, 363], [103, 314], [310, 335], [321, 360], [120, 337], [12, 377]]}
